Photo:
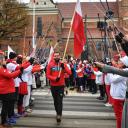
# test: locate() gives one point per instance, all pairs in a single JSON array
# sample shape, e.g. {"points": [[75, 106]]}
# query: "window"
{"points": [[98, 46], [39, 26]]}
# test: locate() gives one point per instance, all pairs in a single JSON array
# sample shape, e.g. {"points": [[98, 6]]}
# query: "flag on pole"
{"points": [[9, 50], [51, 54], [78, 28]]}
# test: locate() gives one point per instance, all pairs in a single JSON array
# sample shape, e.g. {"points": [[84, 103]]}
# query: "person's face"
{"points": [[56, 57], [2, 60]]}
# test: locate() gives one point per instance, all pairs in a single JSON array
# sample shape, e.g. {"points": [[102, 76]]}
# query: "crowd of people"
{"points": [[16, 80], [18, 75]]}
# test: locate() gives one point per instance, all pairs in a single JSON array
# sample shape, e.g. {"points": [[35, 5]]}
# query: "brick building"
{"points": [[55, 20]]}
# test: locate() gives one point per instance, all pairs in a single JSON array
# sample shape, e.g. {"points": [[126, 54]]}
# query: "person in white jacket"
{"points": [[99, 82], [118, 91], [107, 87]]}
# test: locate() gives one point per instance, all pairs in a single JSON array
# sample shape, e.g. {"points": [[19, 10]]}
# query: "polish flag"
{"points": [[51, 54], [10, 50], [78, 28]]}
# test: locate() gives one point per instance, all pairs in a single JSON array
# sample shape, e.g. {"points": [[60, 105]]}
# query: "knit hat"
{"points": [[12, 55], [124, 60]]}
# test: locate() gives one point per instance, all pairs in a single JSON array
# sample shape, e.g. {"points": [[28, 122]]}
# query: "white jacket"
{"points": [[107, 79], [12, 67], [99, 77], [27, 75], [118, 86]]}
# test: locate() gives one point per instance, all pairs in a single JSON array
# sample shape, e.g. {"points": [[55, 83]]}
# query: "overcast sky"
{"points": [[27, 1]]}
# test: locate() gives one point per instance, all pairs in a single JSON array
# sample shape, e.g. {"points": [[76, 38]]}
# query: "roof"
{"points": [[90, 8]]}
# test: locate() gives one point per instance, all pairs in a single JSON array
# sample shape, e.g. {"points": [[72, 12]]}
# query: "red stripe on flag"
{"points": [[79, 37]]}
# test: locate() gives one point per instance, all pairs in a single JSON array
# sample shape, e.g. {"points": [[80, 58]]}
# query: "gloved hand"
{"points": [[118, 38], [57, 79], [21, 69], [121, 35], [62, 66], [31, 60]]}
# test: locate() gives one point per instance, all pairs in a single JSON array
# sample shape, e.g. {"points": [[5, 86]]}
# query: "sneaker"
{"points": [[11, 121], [100, 98], [28, 110], [16, 115], [58, 119], [32, 98], [108, 105]]}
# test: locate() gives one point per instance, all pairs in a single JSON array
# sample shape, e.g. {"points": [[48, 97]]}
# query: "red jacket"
{"points": [[53, 72], [93, 76], [7, 84]]}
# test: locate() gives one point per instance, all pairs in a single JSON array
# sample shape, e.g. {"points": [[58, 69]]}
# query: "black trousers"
{"points": [[7, 106], [94, 86], [102, 90], [67, 82], [20, 100], [58, 93]]}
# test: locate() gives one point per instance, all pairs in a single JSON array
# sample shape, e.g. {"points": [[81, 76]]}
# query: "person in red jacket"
{"points": [[55, 73], [7, 90]]}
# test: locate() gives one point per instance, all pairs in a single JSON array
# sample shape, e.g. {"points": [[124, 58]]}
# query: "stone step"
{"points": [[32, 122], [74, 114]]}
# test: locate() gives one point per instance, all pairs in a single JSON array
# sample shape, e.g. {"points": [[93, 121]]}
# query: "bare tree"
{"points": [[13, 19]]}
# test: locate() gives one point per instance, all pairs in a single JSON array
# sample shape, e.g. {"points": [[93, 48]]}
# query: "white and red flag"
{"points": [[78, 28], [10, 50], [51, 54]]}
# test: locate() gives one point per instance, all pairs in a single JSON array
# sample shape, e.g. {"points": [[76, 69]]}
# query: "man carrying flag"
{"points": [[55, 73], [78, 28]]}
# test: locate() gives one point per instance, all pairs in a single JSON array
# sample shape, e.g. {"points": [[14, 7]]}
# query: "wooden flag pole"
{"points": [[67, 41], [24, 42], [68, 37]]}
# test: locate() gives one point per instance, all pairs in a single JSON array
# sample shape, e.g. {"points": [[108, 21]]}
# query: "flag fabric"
{"points": [[51, 54], [9, 50], [78, 28]]}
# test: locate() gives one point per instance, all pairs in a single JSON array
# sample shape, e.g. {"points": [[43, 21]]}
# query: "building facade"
{"points": [[52, 23]]}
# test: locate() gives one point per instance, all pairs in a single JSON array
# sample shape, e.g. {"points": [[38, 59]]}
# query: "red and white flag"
{"points": [[78, 28], [51, 54]]}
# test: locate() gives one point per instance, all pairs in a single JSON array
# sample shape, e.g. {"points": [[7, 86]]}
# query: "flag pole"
{"points": [[67, 41], [24, 42], [33, 28], [68, 36]]}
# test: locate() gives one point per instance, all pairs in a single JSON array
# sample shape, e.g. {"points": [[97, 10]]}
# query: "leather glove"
{"points": [[21, 69], [31, 60], [121, 35], [118, 38], [62, 66], [57, 79]]}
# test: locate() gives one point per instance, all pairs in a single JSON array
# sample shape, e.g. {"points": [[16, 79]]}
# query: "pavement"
{"points": [[80, 110]]}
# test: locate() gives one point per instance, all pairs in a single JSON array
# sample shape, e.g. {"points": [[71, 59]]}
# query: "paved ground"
{"points": [[81, 110]]}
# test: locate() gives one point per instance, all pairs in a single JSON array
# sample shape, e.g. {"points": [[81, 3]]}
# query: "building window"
{"points": [[98, 46], [39, 26]]}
